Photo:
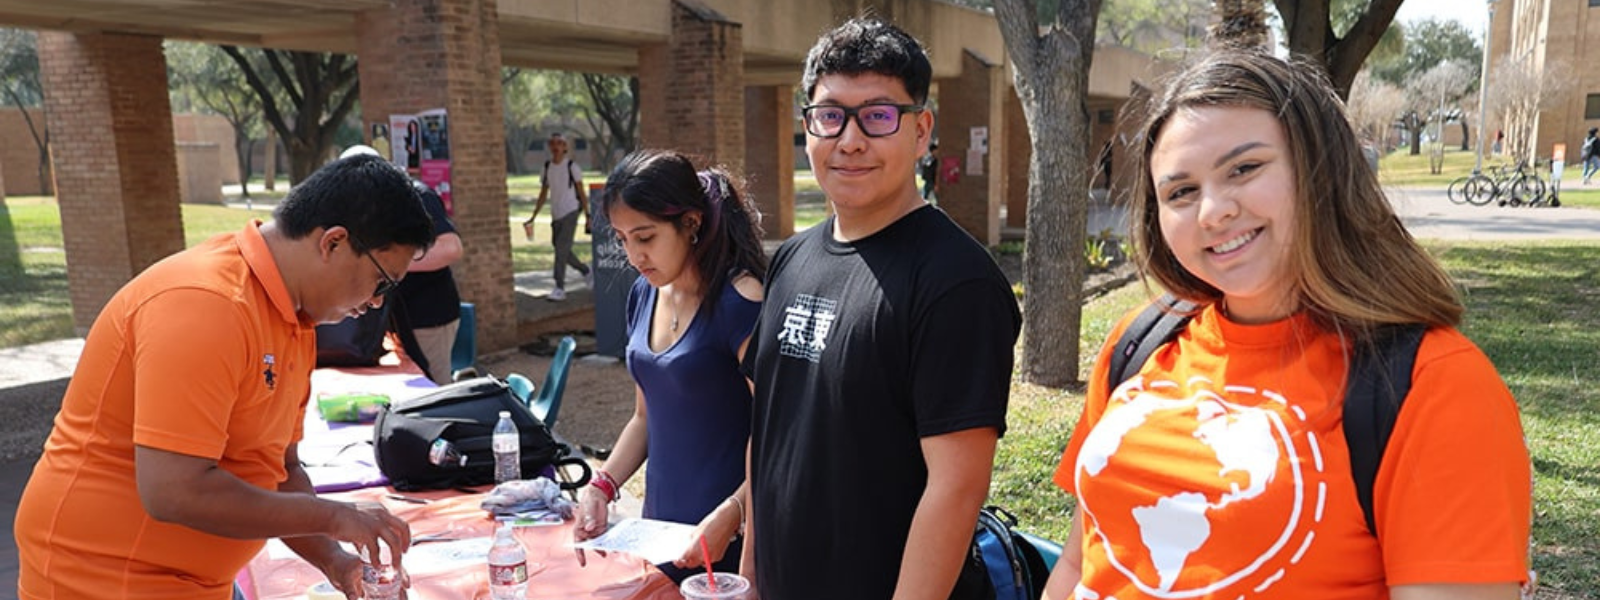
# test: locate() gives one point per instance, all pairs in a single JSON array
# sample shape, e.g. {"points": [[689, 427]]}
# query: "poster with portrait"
{"points": [[434, 165], [404, 137], [421, 146]]}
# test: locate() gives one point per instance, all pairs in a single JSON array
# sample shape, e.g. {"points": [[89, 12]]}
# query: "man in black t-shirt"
{"points": [[882, 357], [425, 308]]}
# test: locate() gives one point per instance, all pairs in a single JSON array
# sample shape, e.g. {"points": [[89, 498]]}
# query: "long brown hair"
{"points": [[1356, 267]]}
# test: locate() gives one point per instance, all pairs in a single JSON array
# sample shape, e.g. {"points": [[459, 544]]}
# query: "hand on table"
{"points": [[590, 519], [718, 528], [364, 524], [591, 516], [344, 571]]}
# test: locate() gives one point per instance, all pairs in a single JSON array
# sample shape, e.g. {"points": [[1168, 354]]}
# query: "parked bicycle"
{"points": [[1516, 186]]}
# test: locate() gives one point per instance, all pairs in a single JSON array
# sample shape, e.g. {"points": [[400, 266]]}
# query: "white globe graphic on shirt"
{"points": [[1239, 467]]}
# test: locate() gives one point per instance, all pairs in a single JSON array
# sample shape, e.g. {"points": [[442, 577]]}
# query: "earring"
{"points": [[694, 239]]}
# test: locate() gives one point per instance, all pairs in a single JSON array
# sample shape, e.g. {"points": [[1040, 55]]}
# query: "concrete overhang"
{"points": [[602, 36]]}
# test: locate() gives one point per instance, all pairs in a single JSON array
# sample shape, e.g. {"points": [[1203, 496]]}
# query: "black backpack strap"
{"points": [[1158, 324], [1380, 378]]}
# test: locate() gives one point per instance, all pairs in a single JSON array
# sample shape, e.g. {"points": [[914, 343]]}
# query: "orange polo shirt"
{"points": [[202, 354], [1221, 471]]}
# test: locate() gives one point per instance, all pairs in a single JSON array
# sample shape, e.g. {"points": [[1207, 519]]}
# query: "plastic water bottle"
{"points": [[444, 454], [508, 566], [507, 450]]}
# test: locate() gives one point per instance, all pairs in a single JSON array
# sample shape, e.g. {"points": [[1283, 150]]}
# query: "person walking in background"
{"points": [[562, 185], [696, 242], [882, 358], [1220, 470], [1591, 155], [174, 455], [929, 168]]}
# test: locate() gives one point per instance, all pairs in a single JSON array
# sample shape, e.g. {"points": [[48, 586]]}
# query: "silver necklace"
{"points": [[673, 306]]}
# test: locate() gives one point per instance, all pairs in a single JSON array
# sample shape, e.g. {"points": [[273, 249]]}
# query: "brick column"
{"points": [[424, 54], [973, 99], [116, 168], [655, 87], [769, 155], [692, 91]]}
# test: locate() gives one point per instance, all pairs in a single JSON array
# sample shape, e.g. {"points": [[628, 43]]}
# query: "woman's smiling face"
{"points": [[1225, 195]]}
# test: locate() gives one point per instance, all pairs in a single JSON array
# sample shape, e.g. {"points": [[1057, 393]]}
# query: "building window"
{"points": [[1107, 116], [1591, 105], [1594, 3]]}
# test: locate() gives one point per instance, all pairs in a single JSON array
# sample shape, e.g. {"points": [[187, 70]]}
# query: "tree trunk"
{"points": [[1240, 23], [269, 170], [241, 151], [1466, 135], [303, 162], [1051, 72], [1310, 34]]}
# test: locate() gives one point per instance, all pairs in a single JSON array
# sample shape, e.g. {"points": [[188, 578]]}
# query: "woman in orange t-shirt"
{"points": [[1221, 469]]}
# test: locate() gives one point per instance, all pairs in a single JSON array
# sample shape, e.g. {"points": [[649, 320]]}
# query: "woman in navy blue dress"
{"points": [[696, 243]]}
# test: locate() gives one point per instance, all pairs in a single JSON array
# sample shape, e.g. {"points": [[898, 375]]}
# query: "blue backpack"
{"points": [[1017, 563]]}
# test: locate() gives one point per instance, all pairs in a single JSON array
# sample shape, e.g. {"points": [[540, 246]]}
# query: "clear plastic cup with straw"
{"points": [[712, 585], [725, 586]]}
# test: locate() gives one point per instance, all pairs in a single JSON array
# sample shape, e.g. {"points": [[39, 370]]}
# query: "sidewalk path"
{"points": [[1430, 214]]}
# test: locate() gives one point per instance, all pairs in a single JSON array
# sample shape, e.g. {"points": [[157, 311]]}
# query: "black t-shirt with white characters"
{"points": [[863, 349]]}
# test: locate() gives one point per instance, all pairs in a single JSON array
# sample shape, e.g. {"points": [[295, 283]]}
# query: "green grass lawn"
{"points": [[1400, 168], [1529, 306], [1575, 194]]}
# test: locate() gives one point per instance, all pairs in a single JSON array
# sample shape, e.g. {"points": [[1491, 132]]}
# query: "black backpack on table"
{"points": [[464, 413]]}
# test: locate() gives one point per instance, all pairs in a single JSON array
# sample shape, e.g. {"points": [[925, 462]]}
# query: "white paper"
{"points": [[649, 539], [438, 557], [430, 557]]}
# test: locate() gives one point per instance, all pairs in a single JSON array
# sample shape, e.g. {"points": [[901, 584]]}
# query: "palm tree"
{"points": [[1241, 23]]}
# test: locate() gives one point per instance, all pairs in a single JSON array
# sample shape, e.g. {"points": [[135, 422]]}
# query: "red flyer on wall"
{"points": [[436, 175]]}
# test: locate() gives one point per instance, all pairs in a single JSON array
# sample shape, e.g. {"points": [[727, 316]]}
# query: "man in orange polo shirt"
{"points": [[174, 455]]}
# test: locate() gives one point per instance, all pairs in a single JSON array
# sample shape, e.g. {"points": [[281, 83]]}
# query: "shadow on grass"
{"points": [[1539, 325]]}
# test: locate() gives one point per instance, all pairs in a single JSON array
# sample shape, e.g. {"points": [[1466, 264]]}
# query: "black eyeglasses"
{"points": [[388, 283], [875, 120]]}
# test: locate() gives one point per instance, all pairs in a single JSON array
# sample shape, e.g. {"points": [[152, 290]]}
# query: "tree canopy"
{"points": [[318, 91], [1428, 43], [202, 78]]}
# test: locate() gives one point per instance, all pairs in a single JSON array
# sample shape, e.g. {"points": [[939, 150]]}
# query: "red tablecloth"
{"points": [[553, 565]]}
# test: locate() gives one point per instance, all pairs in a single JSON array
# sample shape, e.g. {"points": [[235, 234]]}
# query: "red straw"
{"points": [[711, 576]]}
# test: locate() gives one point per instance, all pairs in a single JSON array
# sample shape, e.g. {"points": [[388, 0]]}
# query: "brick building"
{"points": [[1558, 35]]}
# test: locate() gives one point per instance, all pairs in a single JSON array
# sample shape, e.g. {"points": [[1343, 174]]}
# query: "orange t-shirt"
{"points": [[1221, 471], [178, 360]]}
